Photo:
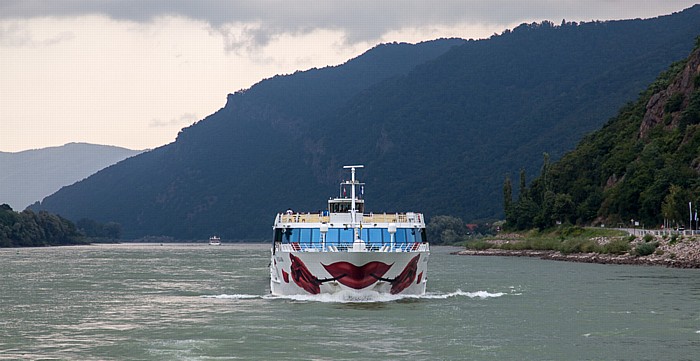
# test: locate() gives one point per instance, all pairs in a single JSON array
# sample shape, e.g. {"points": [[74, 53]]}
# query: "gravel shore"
{"points": [[684, 252]]}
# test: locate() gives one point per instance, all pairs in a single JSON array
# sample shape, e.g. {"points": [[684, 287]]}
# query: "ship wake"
{"points": [[364, 296]]}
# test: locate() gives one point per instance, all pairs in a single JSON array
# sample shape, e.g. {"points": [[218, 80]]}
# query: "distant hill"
{"points": [[29, 176], [643, 165], [438, 126]]}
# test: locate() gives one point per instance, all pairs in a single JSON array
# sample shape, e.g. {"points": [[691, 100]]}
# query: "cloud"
{"points": [[14, 34], [133, 73], [182, 120], [360, 20]]}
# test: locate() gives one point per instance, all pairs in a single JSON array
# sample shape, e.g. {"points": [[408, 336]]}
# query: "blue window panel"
{"points": [[345, 235], [305, 235], [332, 235], [287, 236], [417, 237], [315, 235], [400, 235], [375, 236], [385, 235], [364, 235]]}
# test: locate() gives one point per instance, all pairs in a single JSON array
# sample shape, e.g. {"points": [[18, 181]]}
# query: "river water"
{"points": [[201, 302]]}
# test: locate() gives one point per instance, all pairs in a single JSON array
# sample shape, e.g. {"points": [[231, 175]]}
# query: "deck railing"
{"points": [[303, 218], [366, 218]]}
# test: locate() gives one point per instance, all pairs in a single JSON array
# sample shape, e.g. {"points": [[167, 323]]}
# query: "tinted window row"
{"points": [[342, 235]]}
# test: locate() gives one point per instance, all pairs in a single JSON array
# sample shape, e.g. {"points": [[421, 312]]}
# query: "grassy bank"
{"points": [[567, 240]]}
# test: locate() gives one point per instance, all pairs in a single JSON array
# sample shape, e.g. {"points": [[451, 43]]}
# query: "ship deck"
{"points": [[369, 218]]}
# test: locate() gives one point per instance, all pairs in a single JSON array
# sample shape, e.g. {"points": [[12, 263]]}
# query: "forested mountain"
{"points": [[437, 125], [643, 165], [29, 176]]}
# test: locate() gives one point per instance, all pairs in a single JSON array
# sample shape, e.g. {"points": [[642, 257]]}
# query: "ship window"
{"points": [[292, 235], [304, 235], [339, 235], [278, 235], [375, 236], [417, 235], [364, 235], [401, 235], [332, 235], [385, 235], [346, 235], [340, 207], [315, 235]]}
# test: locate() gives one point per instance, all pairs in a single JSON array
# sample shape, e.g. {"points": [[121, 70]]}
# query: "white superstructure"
{"points": [[346, 249]]}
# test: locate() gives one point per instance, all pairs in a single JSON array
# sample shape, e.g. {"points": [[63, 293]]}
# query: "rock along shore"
{"points": [[684, 253]]}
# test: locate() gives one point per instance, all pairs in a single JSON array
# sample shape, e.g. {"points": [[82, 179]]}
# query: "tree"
{"points": [[675, 206], [29, 229], [446, 229], [563, 208], [545, 172], [523, 184], [112, 230], [507, 195]]}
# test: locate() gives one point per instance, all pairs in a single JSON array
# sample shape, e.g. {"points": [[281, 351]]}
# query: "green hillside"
{"points": [[643, 165]]}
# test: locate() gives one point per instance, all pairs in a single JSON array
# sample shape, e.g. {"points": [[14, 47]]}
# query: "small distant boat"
{"points": [[214, 241], [345, 249]]}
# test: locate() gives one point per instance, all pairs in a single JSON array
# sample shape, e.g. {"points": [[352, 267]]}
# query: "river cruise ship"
{"points": [[345, 249]]}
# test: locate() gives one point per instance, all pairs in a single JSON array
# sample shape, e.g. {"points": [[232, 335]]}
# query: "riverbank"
{"points": [[680, 252]]}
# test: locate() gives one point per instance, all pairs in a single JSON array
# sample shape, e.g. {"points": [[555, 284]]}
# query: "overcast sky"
{"points": [[133, 73]]}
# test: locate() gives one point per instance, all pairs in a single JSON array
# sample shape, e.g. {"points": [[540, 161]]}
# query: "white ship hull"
{"points": [[345, 250], [308, 273]]}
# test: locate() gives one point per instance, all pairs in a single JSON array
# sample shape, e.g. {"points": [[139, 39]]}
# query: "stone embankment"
{"points": [[681, 252]]}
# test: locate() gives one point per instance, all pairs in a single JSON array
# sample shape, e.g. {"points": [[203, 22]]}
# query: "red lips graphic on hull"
{"points": [[357, 277], [303, 277], [406, 277], [352, 276]]}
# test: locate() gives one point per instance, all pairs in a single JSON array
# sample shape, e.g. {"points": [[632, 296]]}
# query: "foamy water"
{"points": [[363, 296]]}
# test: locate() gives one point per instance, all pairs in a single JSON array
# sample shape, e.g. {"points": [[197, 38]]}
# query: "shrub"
{"points": [[674, 239], [674, 103], [667, 119], [544, 244], [479, 245], [572, 231], [645, 249], [579, 246], [618, 246], [515, 246], [648, 238]]}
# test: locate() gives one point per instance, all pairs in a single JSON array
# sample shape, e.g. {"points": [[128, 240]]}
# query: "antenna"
{"points": [[353, 210]]}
